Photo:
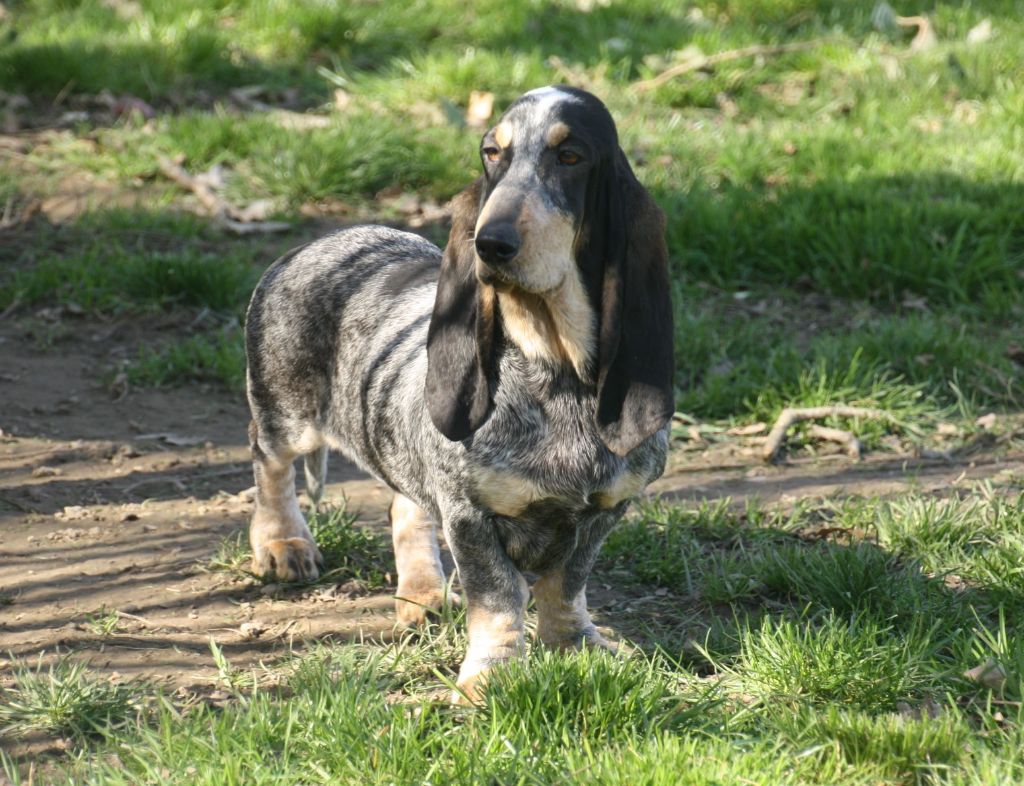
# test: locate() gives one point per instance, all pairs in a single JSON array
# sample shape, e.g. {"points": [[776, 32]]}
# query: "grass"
{"points": [[102, 622], [65, 700], [219, 357], [873, 186], [849, 663], [844, 226]]}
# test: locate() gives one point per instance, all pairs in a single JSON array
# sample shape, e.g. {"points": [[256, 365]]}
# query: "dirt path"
{"points": [[116, 506]]}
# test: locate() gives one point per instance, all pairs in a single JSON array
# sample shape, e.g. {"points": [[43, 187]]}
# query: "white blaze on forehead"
{"points": [[548, 97]]}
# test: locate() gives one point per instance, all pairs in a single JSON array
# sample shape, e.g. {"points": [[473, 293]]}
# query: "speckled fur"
{"points": [[336, 340]]}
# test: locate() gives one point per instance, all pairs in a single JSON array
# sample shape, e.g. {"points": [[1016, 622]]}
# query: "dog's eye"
{"points": [[568, 158], [492, 154]]}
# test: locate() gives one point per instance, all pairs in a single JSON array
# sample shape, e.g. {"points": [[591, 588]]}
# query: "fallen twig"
{"points": [[11, 308], [708, 61], [788, 417], [203, 192], [844, 438], [226, 214]]}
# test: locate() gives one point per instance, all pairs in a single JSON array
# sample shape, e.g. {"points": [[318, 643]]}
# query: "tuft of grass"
{"points": [[674, 547], [62, 699], [351, 552], [590, 698], [890, 745], [103, 621], [113, 278], [233, 555], [852, 661], [218, 358]]}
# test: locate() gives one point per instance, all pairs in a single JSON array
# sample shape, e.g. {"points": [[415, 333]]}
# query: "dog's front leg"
{"points": [[560, 595], [495, 595]]}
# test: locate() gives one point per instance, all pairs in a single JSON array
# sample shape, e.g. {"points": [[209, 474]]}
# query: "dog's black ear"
{"points": [[460, 340], [635, 355]]}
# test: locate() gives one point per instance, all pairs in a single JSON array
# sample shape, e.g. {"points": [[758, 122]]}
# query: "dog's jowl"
{"points": [[515, 389]]}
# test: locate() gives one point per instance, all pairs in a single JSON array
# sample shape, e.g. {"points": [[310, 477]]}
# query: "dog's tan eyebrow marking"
{"points": [[557, 134], [503, 134]]}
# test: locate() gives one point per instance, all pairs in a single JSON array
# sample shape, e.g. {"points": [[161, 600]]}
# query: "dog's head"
{"points": [[557, 232]]}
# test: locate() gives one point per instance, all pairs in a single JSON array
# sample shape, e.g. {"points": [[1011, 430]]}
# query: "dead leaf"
{"points": [[980, 33], [479, 109], [915, 302], [132, 105], [726, 105], [990, 674], [986, 422], [128, 10]]}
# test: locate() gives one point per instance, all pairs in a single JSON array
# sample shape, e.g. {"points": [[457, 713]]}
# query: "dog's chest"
{"points": [[549, 456]]}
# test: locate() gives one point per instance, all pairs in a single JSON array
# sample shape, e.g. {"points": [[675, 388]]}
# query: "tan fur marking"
{"points": [[557, 134], [504, 492], [488, 299], [503, 135], [625, 486], [493, 637], [421, 582], [563, 623], [556, 326]]}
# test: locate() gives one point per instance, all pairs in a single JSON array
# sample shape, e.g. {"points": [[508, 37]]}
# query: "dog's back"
{"points": [[317, 359]]}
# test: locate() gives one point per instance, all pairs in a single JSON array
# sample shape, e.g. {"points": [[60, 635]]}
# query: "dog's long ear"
{"points": [[635, 356], [460, 340]]}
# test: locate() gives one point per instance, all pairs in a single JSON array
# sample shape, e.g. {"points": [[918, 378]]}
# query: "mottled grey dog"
{"points": [[516, 389]]}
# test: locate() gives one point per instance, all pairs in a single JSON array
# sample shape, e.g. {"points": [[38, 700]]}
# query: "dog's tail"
{"points": [[315, 465]]}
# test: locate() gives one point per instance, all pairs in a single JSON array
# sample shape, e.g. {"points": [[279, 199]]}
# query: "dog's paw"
{"points": [[290, 559], [469, 690], [589, 638], [413, 609]]}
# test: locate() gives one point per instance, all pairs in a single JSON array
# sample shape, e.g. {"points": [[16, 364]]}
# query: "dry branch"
{"points": [[226, 214], [709, 61], [788, 417], [844, 438], [172, 171]]}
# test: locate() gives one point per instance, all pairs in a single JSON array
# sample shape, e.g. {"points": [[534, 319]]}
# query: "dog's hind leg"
{"points": [[282, 545], [421, 581], [315, 468]]}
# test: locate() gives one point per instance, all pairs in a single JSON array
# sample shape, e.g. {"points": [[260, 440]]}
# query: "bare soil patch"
{"points": [[116, 504]]}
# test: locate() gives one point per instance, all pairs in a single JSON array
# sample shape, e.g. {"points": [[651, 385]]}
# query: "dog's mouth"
{"points": [[495, 279], [507, 280]]}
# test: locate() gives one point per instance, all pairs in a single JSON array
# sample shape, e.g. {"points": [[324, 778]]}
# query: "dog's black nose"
{"points": [[497, 243]]}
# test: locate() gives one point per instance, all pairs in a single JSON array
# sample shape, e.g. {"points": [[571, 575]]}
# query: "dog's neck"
{"points": [[555, 328]]}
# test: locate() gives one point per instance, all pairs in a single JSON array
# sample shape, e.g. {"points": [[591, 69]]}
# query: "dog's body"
{"points": [[488, 387]]}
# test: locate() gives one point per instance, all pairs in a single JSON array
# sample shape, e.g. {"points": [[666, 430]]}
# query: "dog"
{"points": [[516, 389]]}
